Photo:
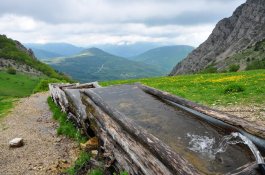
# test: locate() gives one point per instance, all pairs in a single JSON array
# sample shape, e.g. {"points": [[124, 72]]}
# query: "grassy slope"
{"points": [[19, 85], [209, 89], [14, 86], [9, 50], [5, 105]]}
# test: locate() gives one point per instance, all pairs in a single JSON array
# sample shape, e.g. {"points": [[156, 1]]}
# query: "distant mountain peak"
{"points": [[48, 49], [92, 50], [95, 51]]}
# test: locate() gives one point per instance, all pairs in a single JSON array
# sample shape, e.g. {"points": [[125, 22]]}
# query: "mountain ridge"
{"points": [[94, 64], [231, 35], [164, 57], [64, 49]]}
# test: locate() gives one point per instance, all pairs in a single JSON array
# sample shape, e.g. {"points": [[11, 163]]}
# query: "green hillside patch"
{"points": [[210, 89], [9, 49], [13, 86], [6, 103], [19, 85]]}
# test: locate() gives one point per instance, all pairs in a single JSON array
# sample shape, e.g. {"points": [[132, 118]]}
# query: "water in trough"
{"points": [[209, 148]]}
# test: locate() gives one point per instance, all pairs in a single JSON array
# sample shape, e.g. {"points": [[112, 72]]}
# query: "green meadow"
{"points": [[210, 89], [13, 87]]}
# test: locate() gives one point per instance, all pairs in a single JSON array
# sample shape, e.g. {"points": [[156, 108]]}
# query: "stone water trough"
{"points": [[146, 131]]}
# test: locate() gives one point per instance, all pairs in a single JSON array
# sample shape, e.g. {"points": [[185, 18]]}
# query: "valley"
{"points": [[96, 65], [139, 88], [86, 65]]}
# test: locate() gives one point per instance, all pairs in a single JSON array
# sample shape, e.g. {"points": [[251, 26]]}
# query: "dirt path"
{"points": [[44, 152]]}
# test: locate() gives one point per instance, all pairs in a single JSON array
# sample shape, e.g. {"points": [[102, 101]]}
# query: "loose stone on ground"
{"points": [[43, 152]]}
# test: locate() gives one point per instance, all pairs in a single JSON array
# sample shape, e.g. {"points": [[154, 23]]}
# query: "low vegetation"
{"points": [[209, 69], [234, 88], [83, 158], [19, 85], [13, 87], [210, 89], [43, 84], [11, 70], [97, 171], [257, 64], [234, 68], [66, 127], [5, 105], [253, 57]]}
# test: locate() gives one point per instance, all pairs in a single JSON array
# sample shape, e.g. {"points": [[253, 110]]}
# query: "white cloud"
{"points": [[91, 22], [28, 30]]}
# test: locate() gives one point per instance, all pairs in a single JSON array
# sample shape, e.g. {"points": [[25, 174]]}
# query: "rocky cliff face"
{"points": [[231, 35]]}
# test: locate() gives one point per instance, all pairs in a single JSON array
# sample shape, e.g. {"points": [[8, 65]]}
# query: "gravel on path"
{"points": [[43, 152]]}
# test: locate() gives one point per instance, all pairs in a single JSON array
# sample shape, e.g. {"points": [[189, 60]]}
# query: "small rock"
{"points": [[16, 142], [58, 139], [64, 161], [91, 144], [94, 152]]}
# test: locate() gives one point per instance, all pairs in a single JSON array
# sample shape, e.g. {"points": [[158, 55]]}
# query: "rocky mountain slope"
{"points": [[230, 36], [14, 54]]}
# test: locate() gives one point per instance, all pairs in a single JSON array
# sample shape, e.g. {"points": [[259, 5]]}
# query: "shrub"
{"points": [[11, 70], [234, 68], [248, 59], [209, 69], [257, 64], [234, 88]]}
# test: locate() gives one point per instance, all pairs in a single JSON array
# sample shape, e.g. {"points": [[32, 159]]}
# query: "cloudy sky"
{"points": [[89, 22]]}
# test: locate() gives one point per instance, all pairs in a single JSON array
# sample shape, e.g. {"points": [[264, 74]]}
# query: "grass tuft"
{"points": [[6, 103], [96, 172], [234, 88], [66, 127], [83, 158]]}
